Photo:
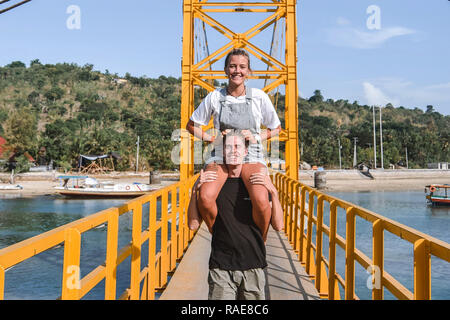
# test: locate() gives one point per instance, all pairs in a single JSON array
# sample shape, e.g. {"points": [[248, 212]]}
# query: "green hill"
{"points": [[73, 110]]}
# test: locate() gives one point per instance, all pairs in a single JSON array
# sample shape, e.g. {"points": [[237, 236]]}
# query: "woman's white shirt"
{"points": [[262, 109]]}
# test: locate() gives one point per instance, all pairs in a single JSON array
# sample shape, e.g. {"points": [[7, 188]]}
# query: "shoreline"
{"points": [[38, 183], [384, 180]]}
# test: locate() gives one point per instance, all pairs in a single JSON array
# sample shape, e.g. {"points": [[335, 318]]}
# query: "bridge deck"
{"points": [[285, 277]]}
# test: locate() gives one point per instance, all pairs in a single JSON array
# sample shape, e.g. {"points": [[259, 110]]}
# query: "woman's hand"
{"points": [[225, 132], [246, 133], [248, 136]]}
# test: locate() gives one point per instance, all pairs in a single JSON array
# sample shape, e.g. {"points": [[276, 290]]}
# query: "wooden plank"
{"points": [[286, 279], [190, 280]]}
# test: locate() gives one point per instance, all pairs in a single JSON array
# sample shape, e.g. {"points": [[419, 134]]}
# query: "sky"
{"points": [[374, 52]]}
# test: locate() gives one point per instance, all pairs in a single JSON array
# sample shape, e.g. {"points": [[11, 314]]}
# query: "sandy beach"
{"points": [[346, 180]]}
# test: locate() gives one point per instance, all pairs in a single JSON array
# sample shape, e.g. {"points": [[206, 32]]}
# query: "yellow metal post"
{"points": [[111, 255], [291, 112], [2, 283], [187, 90], [296, 236], [136, 251], [319, 270], [350, 255], [310, 266], [152, 250], [378, 259], [71, 286], [164, 237], [422, 270], [301, 252], [333, 294], [291, 210], [173, 229]]}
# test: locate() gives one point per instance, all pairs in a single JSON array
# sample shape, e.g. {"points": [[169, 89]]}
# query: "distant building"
{"points": [[439, 165]]}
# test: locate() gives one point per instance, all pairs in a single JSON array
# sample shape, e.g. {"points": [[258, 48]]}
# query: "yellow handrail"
{"points": [[298, 211], [293, 195], [159, 266]]}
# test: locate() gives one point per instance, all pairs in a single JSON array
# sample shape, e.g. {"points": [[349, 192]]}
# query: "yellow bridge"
{"points": [[302, 260], [298, 267]]}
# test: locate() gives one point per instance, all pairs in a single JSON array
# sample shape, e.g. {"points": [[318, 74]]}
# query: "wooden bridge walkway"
{"points": [[285, 277]]}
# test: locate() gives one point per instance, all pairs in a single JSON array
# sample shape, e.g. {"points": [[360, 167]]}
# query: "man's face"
{"points": [[235, 150]]}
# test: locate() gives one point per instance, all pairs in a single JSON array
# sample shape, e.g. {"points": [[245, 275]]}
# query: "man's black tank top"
{"points": [[237, 242]]}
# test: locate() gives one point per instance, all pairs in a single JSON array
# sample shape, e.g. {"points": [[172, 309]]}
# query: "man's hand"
{"points": [[205, 176], [262, 178]]}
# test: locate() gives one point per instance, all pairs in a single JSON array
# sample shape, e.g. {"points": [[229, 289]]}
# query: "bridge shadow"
{"points": [[286, 279]]}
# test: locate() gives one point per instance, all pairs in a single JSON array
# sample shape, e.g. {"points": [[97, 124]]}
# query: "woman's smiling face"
{"points": [[237, 70]]}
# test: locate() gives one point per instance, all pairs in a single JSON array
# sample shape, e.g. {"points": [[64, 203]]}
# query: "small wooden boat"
{"points": [[10, 187], [84, 186], [439, 194]]}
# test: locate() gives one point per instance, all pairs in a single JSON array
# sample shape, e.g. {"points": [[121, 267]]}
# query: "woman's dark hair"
{"points": [[237, 52]]}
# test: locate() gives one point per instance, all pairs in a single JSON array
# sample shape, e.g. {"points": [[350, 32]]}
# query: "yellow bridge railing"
{"points": [[303, 204], [303, 208], [160, 264]]}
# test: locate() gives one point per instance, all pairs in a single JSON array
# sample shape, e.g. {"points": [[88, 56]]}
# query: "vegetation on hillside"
{"points": [[73, 110]]}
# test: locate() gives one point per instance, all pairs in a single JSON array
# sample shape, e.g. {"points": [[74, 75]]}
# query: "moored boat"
{"points": [[10, 187], [84, 186], [439, 194]]}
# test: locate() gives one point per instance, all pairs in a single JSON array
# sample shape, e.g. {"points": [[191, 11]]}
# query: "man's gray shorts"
{"points": [[236, 285]]}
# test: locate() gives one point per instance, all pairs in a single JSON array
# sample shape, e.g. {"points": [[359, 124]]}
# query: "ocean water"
{"points": [[40, 277]]}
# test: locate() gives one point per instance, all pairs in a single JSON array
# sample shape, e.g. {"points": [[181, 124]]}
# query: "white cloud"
{"points": [[344, 35], [374, 95], [401, 92]]}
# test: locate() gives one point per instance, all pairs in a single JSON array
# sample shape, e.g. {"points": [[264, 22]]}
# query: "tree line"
{"points": [[72, 110]]}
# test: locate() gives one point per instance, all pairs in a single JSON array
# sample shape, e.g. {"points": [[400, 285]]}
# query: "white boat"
{"points": [[10, 187], [84, 186]]}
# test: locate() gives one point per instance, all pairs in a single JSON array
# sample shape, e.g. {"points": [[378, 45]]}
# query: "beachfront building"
{"points": [[439, 165]]}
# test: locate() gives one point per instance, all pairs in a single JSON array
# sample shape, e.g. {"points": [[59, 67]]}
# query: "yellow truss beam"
{"points": [[199, 73]]}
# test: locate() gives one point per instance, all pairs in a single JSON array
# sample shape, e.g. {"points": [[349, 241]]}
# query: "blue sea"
{"points": [[40, 277]]}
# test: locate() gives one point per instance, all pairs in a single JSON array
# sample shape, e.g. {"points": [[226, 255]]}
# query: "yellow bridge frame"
{"points": [[198, 74]]}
